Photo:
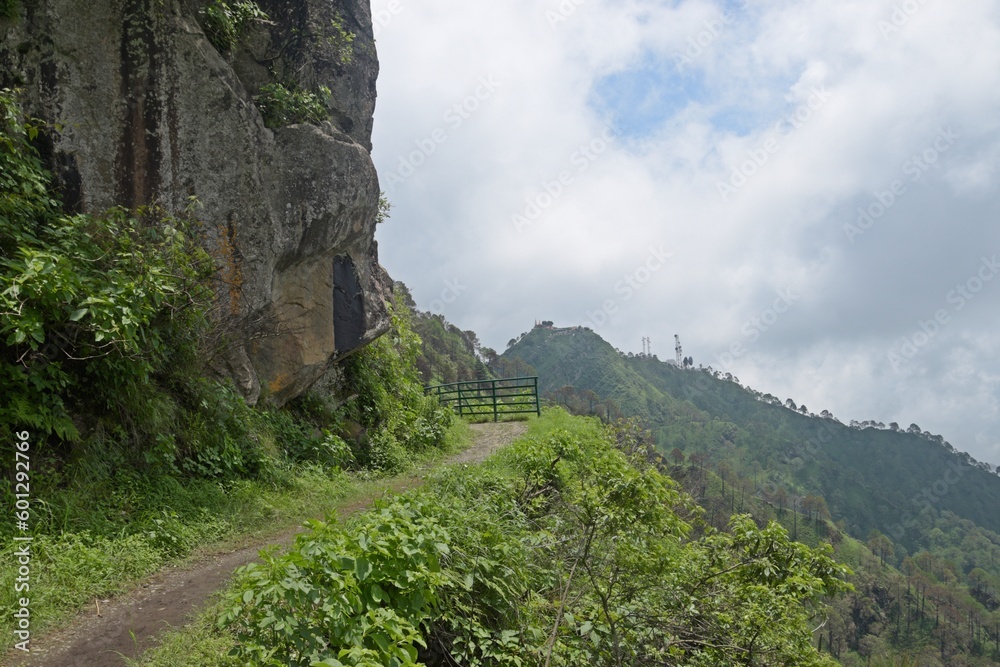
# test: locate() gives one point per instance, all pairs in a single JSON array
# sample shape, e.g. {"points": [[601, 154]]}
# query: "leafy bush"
{"points": [[281, 105], [339, 40], [342, 598], [225, 21], [564, 551], [400, 420], [92, 307]]}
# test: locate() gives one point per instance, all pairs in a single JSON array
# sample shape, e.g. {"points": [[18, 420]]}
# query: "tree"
{"points": [[880, 545], [790, 404], [591, 399], [725, 473], [821, 511], [781, 497], [612, 411], [564, 395], [402, 293], [472, 340]]}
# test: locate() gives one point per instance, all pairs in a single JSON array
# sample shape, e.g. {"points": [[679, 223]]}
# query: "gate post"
{"points": [[493, 391]]}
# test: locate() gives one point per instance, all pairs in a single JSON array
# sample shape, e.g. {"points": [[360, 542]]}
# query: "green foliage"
{"points": [[447, 354], [696, 411], [342, 597], [282, 105], [226, 21], [564, 551], [91, 307], [340, 40], [736, 451], [399, 419], [9, 8], [384, 206]]}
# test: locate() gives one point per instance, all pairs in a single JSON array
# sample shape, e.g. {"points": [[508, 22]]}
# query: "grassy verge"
{"points": [[71, 569], [566, 548], [202, 643]]}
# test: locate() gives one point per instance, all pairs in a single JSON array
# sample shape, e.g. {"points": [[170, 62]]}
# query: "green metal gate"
{"points": [[490, 397]]}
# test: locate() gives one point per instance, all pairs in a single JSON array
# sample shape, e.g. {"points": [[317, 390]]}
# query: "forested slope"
{"points": [[916, 519], [893, 481]]}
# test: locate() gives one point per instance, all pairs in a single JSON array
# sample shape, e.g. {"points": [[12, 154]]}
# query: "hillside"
{"points": [[914, 518], [447, 354], [895, 482]]}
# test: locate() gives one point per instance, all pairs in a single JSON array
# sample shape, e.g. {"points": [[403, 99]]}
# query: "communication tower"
{"points": [[677, 348]]}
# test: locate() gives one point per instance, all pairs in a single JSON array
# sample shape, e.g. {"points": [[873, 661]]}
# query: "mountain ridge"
{"points": [[703, 410]]}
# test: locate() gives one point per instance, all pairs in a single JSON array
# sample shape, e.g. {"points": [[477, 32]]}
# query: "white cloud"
{"points": [[819, 109]]}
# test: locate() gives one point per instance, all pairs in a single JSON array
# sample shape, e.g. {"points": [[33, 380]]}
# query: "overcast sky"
{"points": [[805, 191]]}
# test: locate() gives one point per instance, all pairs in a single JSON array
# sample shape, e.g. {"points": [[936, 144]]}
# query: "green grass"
{"points": [[480, 562], [71, 569], [202, 643], [199, 644]]}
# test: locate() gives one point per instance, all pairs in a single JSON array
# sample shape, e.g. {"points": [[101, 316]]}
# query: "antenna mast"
{"points": [[677, 348]]}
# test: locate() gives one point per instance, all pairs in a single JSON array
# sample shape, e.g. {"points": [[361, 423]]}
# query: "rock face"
{"points": [[148, 111]]}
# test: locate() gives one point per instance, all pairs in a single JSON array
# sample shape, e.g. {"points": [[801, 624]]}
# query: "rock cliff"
{"points": [[148, 110]]}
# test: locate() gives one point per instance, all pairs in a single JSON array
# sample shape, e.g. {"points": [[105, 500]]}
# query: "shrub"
{"points": [[92, 307], [225, 21], [353, 597], [564, 550], [400, 420], [281, 105]]}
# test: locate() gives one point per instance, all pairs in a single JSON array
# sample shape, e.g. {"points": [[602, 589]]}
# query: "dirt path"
{"points": [[126, 626]]}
